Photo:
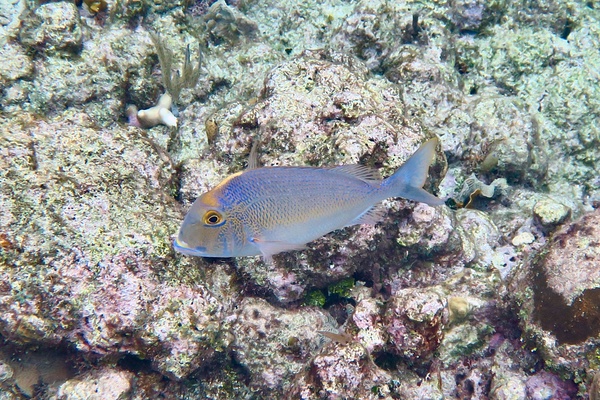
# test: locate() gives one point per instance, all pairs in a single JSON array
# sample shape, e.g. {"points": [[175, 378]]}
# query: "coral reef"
{"points": [[493, 296], [341, 371], [81, 196], [227, 24], [297, 122], [415, 322]]}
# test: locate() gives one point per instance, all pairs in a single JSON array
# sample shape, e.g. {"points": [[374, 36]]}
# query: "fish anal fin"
{"points": [[370, 217], [268, 248], [359, 171]]}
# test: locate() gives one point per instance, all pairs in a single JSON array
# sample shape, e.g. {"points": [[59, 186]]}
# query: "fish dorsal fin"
{"points": [[359, 171], [370, 217]]}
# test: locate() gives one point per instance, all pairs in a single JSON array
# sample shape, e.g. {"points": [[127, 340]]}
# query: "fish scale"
{"points": [[326, 201], [265, 211], [279, 190]]}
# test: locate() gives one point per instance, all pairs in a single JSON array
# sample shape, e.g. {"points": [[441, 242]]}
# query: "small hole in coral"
{"points": [[387, 361], [134, 363]]}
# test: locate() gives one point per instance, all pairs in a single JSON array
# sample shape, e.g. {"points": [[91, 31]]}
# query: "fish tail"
{"points": [[408, 181]]}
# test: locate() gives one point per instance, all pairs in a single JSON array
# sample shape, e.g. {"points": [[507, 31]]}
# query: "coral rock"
{"points": [[569, 268], [16, 63], [274, 344], [341, 372], [550, 213], [100, 385], [89, 257], [562, 316], [415, 319], [54, 26]]}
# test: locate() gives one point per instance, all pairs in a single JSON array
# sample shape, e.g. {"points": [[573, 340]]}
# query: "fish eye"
{"points": [[212, 217]]}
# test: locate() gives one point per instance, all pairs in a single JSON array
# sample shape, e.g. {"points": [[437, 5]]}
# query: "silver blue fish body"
{"points": [[269, 210]]}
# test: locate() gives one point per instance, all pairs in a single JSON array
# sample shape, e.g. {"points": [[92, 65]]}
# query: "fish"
{"points": [[269, 210]]}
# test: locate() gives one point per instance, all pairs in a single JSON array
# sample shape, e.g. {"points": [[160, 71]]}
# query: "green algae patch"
{"points": [[341, 288], [336, 291], [315, 298]]}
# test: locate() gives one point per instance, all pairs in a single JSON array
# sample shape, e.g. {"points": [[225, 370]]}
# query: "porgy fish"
{"points": [[269, 210]]}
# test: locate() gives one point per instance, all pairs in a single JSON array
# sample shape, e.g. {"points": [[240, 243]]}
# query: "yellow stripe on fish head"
{"points": [[212, 197]]}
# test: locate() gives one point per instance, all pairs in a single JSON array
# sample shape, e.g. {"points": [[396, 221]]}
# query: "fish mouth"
{"points": [[183, 247]]}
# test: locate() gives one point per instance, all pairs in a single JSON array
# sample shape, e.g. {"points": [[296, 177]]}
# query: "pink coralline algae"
{"points": [[88, 256], [274, 344], [181, 324], [340, 371], [122, 308], [415, 320], [545, 385]]}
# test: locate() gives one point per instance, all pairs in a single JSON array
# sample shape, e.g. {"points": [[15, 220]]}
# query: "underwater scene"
{"points": [[259, 199]]}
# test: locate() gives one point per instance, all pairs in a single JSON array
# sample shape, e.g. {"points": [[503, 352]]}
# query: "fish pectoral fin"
{"points": [[268, 248]]}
